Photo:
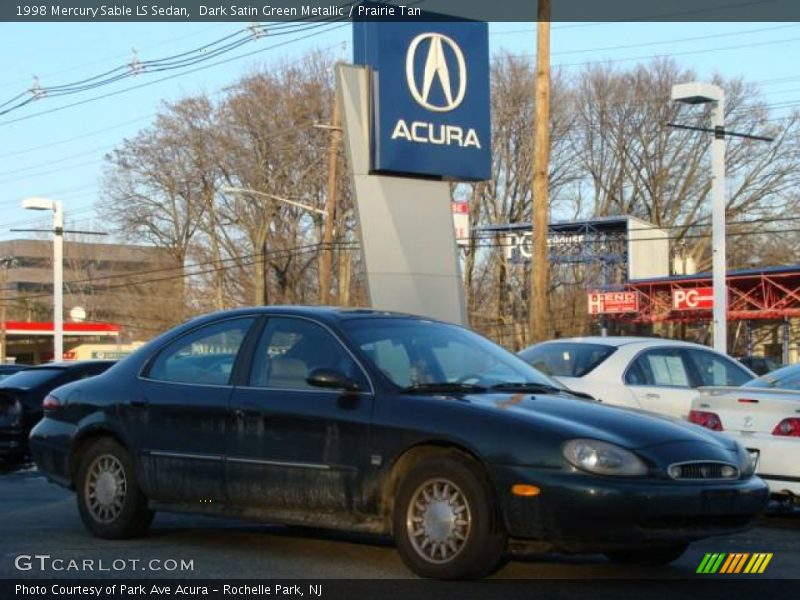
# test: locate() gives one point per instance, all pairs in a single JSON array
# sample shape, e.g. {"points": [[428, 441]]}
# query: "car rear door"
{"points": [[177, 416], [292, 446], [661, 380]]}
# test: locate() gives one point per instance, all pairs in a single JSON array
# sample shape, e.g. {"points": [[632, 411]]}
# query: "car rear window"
{"points": [[786, 378], [567, 359]]}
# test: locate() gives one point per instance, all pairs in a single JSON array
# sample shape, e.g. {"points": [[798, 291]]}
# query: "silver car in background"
{"points": [[654, 374], [763, 416]]}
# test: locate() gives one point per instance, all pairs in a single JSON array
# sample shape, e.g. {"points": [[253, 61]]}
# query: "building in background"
{"points": [[126, 291]]}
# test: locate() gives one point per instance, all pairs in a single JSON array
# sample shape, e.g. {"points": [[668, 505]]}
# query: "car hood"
{"points": [[577, 418]]}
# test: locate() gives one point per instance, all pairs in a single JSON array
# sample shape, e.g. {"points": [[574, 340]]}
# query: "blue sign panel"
{"points": [[430, 97]]}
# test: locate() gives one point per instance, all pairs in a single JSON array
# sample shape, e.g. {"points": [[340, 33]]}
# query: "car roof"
{"points": [[326, 313], [70, 364], [619, 341]]}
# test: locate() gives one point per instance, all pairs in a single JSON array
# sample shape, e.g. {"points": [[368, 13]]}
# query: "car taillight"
{"points": [[709, 420], [51, 403], [790, 427]]}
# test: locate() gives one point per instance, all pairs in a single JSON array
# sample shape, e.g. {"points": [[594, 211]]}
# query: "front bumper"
{"points": [[581, 512]]}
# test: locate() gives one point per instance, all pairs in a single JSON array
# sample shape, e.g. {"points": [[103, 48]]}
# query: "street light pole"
{"points": [[718, 241], [58, 268], [704, 93]]}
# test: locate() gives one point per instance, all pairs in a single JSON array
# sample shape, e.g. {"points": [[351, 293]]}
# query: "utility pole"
{"points": [[330, 207], [539, 305]]}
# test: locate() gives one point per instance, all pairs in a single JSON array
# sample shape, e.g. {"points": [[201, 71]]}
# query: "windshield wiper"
{"points": [[528, 386], [444, 386]]}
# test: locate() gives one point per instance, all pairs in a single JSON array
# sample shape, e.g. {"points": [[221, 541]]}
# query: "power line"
{"points": [[137, 67], [298, 127], [169, 77], [169, 41], [676, 41]]}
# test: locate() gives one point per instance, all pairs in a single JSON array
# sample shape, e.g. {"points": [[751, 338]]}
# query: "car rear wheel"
{"points": [[110, 502], [444, 522], [653, 557]]}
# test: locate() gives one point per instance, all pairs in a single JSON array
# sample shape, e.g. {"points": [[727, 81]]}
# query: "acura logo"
{"points": [[436, 68]]}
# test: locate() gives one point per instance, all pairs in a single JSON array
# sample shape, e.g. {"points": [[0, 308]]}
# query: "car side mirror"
{"points": [[331, 379]]}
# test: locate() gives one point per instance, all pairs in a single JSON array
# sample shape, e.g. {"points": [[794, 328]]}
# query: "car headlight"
{"points": [[746, 466], [603, 458]]}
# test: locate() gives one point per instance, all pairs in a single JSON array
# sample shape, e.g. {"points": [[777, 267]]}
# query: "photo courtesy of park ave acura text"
{"points": [[414, 299]]}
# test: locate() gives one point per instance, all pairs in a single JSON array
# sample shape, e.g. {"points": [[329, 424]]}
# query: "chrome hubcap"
{"points": [[438, 520], [106, 487]]}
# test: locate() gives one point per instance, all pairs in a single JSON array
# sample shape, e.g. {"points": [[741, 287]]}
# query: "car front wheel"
{"points": [[444, 521], [110, 502]]}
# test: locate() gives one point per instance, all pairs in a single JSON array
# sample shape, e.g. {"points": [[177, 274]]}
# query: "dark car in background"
{"points": [[22, 394], [8, 370], [760, 365], [385, 423]]}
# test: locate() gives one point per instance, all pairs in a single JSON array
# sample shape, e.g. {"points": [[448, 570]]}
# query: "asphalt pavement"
{"points": [[39, 519]]}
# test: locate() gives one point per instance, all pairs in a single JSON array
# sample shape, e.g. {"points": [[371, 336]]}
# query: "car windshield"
{"points": [[418, 353], [786, 378], [30, 378], [566, 359]]}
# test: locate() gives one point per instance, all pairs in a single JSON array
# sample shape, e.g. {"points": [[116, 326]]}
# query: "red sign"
{"points": [[693, 299], [613, 303]]}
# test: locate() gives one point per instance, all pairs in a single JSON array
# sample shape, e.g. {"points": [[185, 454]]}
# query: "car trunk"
{"points": [[749, 410]]}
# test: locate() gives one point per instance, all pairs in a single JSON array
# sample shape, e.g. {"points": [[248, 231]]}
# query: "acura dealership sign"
{"points": [[430, 92]]}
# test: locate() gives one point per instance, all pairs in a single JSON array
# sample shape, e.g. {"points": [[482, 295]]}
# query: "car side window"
{"points": [[289, 350], [392, 358], [659, 367], [712, 369], [204, 356]]}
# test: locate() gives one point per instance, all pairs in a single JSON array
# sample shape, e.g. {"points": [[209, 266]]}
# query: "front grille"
{"points": [[703, 471]]}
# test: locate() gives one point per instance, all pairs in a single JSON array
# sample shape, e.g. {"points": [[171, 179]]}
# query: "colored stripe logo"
{"points": [[734, 563]]}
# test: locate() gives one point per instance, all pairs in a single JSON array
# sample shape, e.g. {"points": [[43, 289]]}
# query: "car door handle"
{"points": [[139, 404], [652, 395]]}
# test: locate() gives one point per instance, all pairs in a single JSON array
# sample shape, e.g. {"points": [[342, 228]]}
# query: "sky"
{"points": [[50, 149]]}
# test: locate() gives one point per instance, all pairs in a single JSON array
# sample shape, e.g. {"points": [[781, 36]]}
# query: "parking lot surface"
{"points": [[39, 518]]}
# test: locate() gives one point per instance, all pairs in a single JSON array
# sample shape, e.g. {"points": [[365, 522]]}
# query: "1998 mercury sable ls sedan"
{"points": [[380, 422]]}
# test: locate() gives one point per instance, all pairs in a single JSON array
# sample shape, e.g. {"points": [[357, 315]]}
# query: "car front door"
{"points": [[177, 416], [661, 379], [290, 445]]}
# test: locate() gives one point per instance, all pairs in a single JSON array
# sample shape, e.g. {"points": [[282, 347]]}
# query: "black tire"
{"points": [[125, 514], [481, 544], [651, 557]]}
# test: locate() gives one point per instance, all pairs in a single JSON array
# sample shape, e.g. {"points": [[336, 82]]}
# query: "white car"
{"points": [[763, 416], [653, 374]]}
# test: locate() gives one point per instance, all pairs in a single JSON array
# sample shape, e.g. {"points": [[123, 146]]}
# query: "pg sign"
{"points": [[693, 299], [430, 97]]}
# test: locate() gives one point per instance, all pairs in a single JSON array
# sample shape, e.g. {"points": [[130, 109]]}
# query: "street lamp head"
{"points": [[697, 93], [38, 204]]}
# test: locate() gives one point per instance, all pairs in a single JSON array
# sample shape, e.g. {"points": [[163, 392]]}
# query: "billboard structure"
{"points": [[416, 116], [625, 248]]}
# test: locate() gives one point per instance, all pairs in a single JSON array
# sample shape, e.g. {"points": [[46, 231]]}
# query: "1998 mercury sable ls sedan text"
{"points": [[380, 422]]}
